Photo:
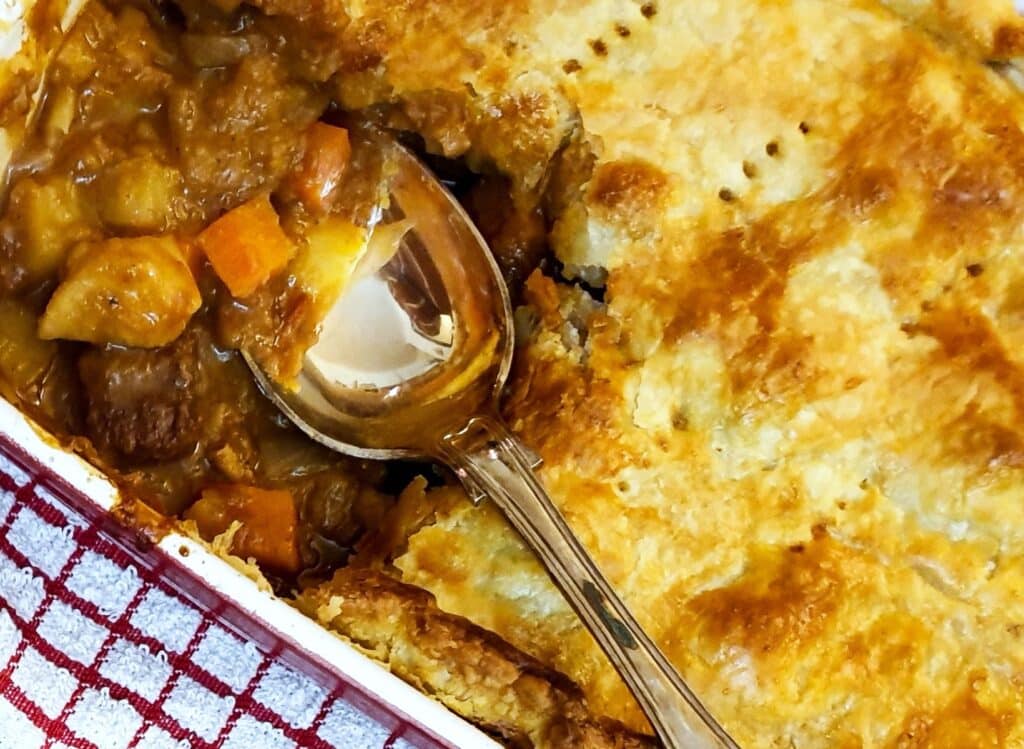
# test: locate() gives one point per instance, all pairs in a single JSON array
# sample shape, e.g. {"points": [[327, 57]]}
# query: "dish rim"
{"points": [[314, 650]]}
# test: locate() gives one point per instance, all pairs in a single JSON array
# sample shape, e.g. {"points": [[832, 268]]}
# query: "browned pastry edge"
{"points": [[468, 669]]}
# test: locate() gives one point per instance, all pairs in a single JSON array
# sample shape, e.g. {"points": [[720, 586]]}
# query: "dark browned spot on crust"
{"points": [[968, 337], [749, 169], [804, 128], [970, 188], [599, 47], [726, 195], [971, 350], [628, 186], [975, 269], [782, 603], [859, 191], [978, 188], [648, 10], [982, 440], [738, 274], [1008, 42], [962, 722], [571, 66], [743, 270], [622, 30], [742, 274], [521, 130]]}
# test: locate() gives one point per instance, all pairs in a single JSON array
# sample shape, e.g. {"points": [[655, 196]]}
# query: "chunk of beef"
{"points": [[239, 131], [143, 404], [514, 229]]}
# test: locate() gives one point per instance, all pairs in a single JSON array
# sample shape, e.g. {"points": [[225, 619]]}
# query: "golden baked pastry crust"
{"points": [[792, 437], [467, 668]]}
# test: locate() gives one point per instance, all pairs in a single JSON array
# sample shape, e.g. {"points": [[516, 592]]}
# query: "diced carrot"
{"points": [[246, 246], [327, 155], [269, 521]]}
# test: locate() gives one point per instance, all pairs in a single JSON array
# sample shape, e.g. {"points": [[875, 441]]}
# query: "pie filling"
{"points": [[188, 191]]}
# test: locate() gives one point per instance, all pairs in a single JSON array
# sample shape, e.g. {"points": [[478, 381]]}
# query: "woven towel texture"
{"points": [[97, 651]]}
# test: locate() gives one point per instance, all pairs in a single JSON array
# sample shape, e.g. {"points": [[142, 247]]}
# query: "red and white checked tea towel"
{"points": [[99, 651]]}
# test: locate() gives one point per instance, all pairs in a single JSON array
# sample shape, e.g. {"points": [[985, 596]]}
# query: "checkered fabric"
{"points": [[101, 649]]}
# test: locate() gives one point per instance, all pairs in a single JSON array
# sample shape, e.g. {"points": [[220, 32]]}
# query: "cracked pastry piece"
{"points": [[465, 667], [791, 436]]}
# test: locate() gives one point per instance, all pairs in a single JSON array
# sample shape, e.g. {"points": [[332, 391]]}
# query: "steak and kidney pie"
{"points": [[768, 261]]}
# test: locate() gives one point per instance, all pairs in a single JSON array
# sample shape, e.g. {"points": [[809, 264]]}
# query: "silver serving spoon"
{"points": [[410, 361]]}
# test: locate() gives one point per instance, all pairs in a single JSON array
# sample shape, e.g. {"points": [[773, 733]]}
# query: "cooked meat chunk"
{"points": [[237, 133], [143, 404], [514, 229]]}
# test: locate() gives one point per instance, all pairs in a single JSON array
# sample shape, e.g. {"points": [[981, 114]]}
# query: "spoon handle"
{"points": [[489, 459]]}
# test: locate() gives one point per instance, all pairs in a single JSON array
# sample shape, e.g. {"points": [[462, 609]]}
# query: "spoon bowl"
{"points": [[409, 364], [421, 338]]}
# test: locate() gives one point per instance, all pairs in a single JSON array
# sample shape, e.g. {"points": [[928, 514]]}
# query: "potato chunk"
{"points": [[133, 292], [24, 359], [138, 194], [52, 217]]}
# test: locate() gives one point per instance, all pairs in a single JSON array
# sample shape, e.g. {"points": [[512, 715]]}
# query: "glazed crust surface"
{"points": [[792, 434], [467, 668]]}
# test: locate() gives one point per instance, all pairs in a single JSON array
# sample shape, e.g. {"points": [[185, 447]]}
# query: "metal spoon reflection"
{"points": [[410, 362]]}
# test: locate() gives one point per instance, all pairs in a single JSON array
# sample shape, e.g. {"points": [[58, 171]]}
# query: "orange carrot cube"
{"points": [[246, 246], [269, 519], [328, 152]]}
